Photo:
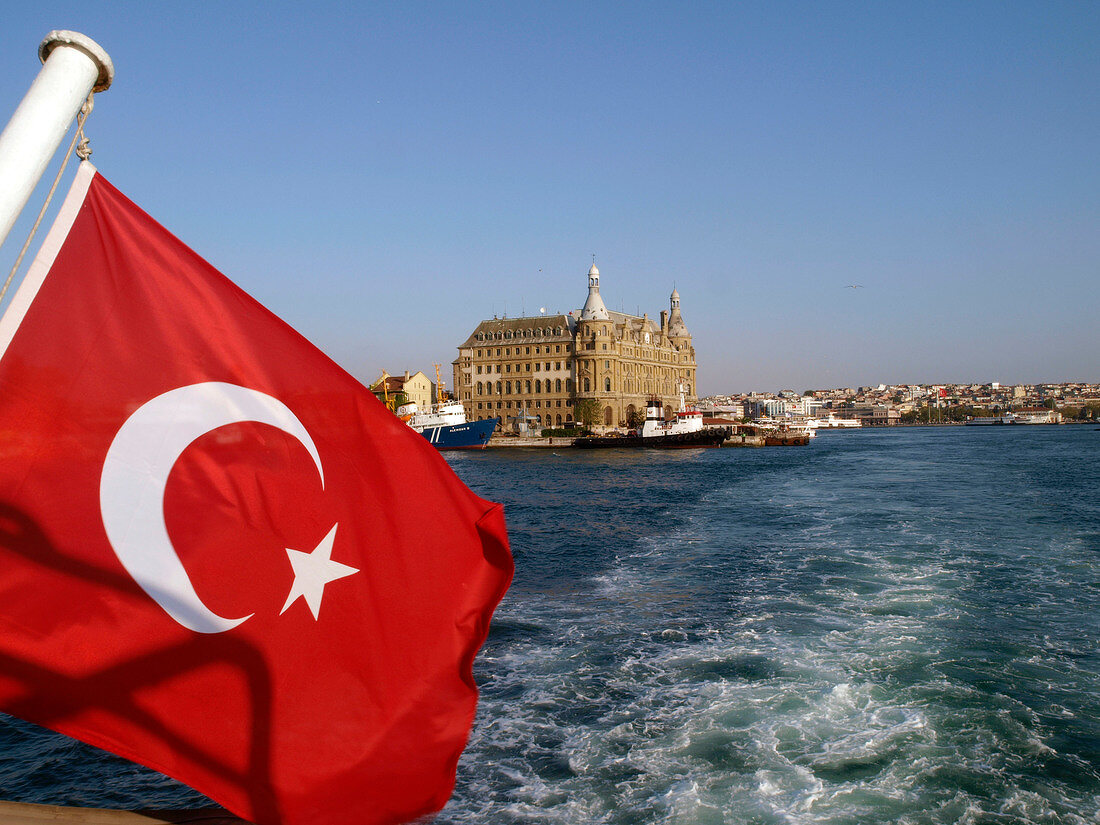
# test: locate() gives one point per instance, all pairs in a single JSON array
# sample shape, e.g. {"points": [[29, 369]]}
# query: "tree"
{"points": [[398, 399], [635, 418], [587, 411]]}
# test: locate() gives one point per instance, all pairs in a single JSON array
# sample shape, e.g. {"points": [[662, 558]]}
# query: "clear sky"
{"points": [[383, 176]]}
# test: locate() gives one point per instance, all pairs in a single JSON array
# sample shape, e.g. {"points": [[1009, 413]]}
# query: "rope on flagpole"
{"points": [[80, 145]]}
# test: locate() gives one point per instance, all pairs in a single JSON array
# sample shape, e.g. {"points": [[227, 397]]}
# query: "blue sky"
{"points": [[383, 176]]}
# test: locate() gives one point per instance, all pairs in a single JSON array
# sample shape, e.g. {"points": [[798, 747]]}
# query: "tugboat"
{"points": [[685, 431]]}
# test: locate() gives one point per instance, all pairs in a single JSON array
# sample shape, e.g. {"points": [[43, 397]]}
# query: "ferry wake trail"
{"points": [[885, 627]]}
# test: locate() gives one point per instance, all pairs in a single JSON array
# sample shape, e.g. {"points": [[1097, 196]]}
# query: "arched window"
{"points": [[479, 388], [538, 385], [508, 387], [607, 385], [558, 421], [569, 385], [528, 386], [557, 385], [587, 385], [498, 388], [607, 416]]}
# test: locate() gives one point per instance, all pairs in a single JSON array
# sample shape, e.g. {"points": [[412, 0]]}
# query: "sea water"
{"points": [[883, 626]]}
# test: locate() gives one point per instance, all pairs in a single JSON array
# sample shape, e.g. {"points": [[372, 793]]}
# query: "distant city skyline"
{"points": [[383, 176], [1092, 388]]}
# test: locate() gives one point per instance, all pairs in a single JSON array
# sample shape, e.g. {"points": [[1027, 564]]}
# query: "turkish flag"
{"points": [[220, 555]]}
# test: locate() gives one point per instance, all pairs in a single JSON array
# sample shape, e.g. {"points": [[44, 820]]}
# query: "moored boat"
{"points": [[834, 423], [445, 425], [684, 431], [1022, 417], [446, 428]]}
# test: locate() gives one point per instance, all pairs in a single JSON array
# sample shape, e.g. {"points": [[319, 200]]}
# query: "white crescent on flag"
{"points": [[135, 474]]}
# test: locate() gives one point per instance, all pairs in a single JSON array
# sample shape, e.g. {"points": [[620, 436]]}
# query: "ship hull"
{"points": [[473, 435], [678, 441]]}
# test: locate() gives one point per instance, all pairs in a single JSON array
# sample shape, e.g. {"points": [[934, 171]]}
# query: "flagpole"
{"points": [[74, 65]]}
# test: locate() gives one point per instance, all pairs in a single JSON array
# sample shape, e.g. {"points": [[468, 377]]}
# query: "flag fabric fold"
{"points": [[220, 555]]}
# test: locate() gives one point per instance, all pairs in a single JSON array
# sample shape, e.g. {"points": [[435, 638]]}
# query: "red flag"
{"points": [[220, 556]]}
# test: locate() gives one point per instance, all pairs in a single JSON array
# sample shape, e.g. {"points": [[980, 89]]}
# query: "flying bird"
{"points": [[854, 286]]}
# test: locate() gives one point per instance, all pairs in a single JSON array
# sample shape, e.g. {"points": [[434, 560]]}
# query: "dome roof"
{"points": [[594, 309]]}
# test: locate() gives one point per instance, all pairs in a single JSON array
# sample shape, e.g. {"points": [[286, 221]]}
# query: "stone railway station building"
{"points": [[542, 366]]}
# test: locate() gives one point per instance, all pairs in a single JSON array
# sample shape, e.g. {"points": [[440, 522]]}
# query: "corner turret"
{"points": [[677, 329]]}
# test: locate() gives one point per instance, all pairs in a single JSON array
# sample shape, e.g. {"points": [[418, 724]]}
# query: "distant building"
{"points": [[540, 367], [874, 415], [417, 388]]}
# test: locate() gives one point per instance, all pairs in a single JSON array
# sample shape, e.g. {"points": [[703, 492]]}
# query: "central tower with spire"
{"points": [[594, 309]]}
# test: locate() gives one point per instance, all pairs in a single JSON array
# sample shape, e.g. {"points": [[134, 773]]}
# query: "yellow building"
{"points": [[417, 388], [543, 366]]}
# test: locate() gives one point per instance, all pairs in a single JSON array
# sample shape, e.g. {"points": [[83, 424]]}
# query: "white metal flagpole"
{"points": [[74, 65]]}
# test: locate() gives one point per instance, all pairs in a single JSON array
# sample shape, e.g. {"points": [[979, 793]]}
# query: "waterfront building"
{"points": [[418, 388], [538, 368]]}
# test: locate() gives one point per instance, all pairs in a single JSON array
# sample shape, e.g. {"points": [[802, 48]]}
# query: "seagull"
{"points": [[854, 286]]}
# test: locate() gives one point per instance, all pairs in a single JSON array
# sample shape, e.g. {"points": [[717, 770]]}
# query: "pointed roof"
{"points": [[676, 326], [594, 309]]}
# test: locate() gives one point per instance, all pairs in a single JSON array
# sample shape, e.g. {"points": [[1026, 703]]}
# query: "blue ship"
{"points": [[446, 428], [472, 435]]}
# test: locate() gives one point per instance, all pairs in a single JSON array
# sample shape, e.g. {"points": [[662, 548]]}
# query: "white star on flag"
{"points": [[312, 571]]}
